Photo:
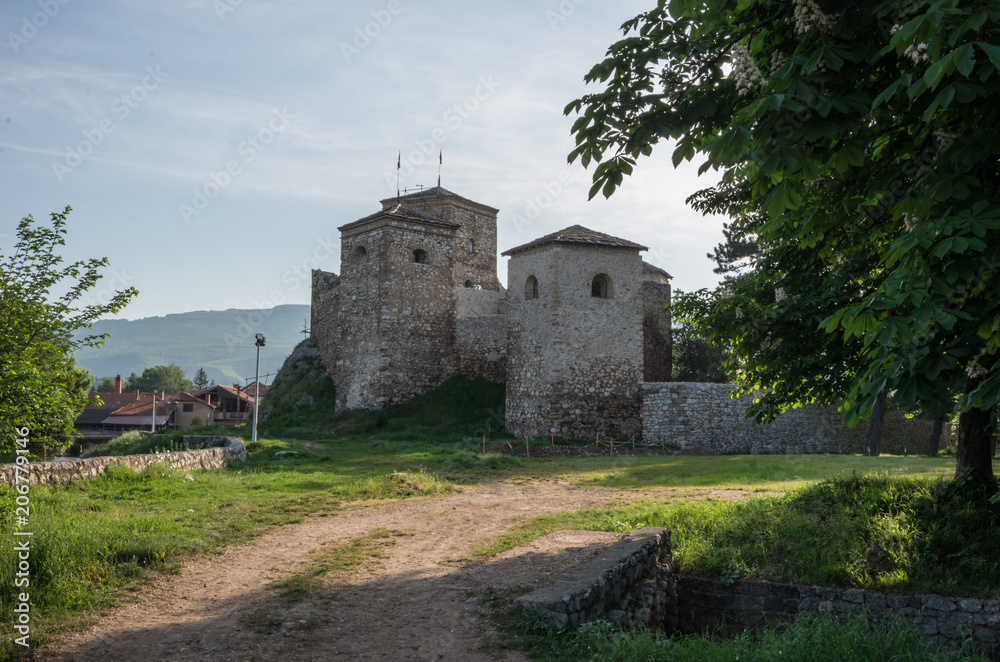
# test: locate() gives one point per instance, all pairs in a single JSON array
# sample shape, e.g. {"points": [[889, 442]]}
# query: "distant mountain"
{"points": [[220, 341]]}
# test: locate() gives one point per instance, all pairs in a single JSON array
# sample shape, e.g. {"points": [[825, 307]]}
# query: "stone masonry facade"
{"points": [[417, 300], [704, 417]]}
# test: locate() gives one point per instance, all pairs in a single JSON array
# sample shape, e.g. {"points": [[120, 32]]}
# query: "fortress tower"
{"points": [[575, 336], [386, 326]]}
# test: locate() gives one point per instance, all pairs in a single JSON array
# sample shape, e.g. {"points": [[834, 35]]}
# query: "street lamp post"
{"points": [[256, 386]]}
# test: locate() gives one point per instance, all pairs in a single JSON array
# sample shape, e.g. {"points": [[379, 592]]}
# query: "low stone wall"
{"points": [[47, 473], [631, 583], [706, 605], [703, 416]]}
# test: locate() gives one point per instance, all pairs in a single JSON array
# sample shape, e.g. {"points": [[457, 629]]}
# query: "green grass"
{"points": [[868, 531], [807, 639]]}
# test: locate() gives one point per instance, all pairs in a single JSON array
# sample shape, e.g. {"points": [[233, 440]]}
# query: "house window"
{"points": [[468, 283], [188, 406], [472, 246], [531, 288], [420, 256], [600, 287], [359, 256]]}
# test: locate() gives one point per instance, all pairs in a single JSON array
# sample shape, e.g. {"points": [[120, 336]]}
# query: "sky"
{"points": [[211, 148]]}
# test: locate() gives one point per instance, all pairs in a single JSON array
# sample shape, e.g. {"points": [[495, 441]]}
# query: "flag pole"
{"points": [[440, 161], [399, 161]]}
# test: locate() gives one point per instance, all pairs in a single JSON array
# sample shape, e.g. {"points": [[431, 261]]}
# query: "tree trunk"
{"points": [[936, 436], [975, 428], [875, 428]]}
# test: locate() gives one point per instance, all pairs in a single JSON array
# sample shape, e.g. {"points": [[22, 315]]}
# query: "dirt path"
{"points": [[419, 604]]}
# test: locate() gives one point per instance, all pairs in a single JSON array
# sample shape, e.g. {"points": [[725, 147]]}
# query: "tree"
{"points": [[40, 386], [859, 144], [160, 378], [696, 359], [201, 378], [104, 385]]}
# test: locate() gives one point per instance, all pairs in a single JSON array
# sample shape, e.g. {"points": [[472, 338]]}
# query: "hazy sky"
{"points": [[210, 149]]}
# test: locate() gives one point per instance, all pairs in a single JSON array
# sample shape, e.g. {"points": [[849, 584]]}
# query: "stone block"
{"points": [[853, 595], [941, 604], [970, 605]]}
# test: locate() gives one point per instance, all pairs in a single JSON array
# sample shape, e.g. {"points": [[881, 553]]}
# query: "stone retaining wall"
{"points": [[703, 416], [47, 473], [706, 605], [631, 583]]}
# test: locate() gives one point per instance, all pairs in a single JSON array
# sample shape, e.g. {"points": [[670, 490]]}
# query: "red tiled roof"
{"points": [[111, 400], [577, 234], [191, 397], [242, 394]]}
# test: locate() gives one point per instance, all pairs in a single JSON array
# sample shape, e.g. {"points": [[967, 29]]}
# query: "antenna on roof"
{"points": [[399, 162], [440, 161]]}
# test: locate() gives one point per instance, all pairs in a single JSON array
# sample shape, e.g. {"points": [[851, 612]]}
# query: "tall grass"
{"points": [[807, 639]]}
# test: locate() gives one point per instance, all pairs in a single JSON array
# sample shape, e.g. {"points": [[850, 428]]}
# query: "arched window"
{"points": [[359, 256], [472, 246], [600, 287], [420, 256], [468, 283], [531, 288]]}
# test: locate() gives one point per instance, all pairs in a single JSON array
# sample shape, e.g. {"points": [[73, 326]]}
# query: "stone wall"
{"points": [[47, 473], [631, 583], [703, 416], [574, 361], [477, 303], [706, 605], [481, 347], [417, 323]]}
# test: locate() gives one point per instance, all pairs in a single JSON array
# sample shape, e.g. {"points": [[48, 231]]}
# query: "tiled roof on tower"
{"points": [[433, 192], [577, 234], [401, 212]]}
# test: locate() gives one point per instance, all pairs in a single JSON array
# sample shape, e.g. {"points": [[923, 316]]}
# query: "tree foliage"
{"points": [[40, 386], [160, 378], [858, 148], [696, 359], [201, 379]]}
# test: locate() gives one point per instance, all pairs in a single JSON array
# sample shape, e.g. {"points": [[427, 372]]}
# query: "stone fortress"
{"points": [[580, 335], [580, 325]]}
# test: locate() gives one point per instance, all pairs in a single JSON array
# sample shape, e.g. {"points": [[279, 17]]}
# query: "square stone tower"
{"points": [[575, 336], [385, 327]]}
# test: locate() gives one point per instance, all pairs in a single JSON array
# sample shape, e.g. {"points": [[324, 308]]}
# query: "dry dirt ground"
{"points": [[417, 603]]}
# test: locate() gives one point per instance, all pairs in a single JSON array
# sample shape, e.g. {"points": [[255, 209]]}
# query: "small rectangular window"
{"points": [[188, 406]]}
